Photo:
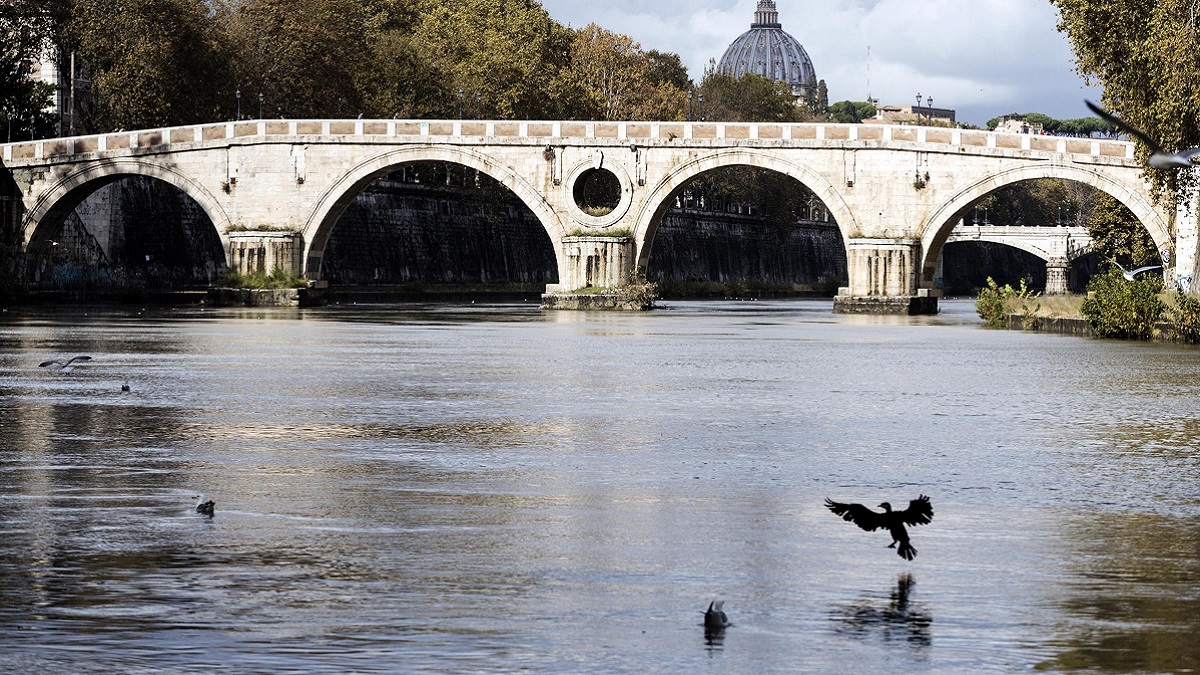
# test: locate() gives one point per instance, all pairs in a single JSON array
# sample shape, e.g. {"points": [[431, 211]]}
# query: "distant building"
{"points": [[1016, 124], [72, 87], [767, 50], [911, 114]]}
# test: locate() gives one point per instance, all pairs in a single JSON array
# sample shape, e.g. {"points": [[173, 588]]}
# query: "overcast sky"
{"points": [[982, 58]]}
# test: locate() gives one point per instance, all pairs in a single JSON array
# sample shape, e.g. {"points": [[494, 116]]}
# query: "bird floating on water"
{"points": [[715, 619], [1130, 274], [1159, 158], [203, 506], [64, 367], [919, 512]]}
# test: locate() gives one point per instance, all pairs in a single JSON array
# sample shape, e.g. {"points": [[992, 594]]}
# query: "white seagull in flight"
{"points": [[1159, 158], [64, 367]]}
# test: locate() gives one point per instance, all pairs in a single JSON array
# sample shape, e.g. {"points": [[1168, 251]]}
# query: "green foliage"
{"points": [[153, 62], [1117, 234], [638, 291], [749, 98], [1185, 316], [27, 27], [852, 112], [994, 303], [1146, 55], [276, 279], [1080, 126], [624, 82], [1119, 308], [173, 62]]}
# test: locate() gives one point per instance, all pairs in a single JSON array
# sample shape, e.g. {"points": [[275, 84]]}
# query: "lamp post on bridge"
{"points": [[260, 105], [917, 108], [238, 95]]}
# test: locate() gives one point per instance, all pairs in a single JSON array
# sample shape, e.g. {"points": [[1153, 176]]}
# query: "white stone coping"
{"points": [[501, 132]]}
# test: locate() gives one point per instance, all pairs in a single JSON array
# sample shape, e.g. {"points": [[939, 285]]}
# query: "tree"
{"points": [[1116, 233], [505, 56], [852, 112], [748, 98], [624, 82], [1146, 53], [28, 28], [154, 62]]}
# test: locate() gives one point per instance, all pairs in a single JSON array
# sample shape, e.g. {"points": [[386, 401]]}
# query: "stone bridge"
{"points": [[1058, 246], [896, 192]]}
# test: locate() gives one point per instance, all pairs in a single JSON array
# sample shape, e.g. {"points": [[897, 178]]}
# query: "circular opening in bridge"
{"points": [[597, 192]]}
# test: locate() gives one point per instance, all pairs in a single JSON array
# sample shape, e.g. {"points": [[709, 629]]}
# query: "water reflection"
{"points": [[461, 489], [1134, 602], [894, 619]]}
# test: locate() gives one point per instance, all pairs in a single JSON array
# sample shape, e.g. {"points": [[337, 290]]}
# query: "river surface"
{"points": [[495, 488]]}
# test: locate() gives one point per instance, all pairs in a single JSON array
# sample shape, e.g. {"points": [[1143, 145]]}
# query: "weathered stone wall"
{"points": [[698, 246], [136, 233], [399, 233]]}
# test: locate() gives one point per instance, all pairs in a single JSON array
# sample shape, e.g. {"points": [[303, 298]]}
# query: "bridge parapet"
{"points": [[499, 132]]}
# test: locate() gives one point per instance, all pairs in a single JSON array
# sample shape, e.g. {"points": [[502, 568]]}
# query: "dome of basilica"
{"points": [[768, 51]]}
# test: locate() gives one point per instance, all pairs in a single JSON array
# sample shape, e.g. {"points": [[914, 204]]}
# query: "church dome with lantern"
{"points": [[767, 50]]}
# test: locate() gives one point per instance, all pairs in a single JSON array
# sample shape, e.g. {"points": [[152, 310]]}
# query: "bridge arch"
{"points": [[937, 228], [658, 201], [342, 192], [57, 203]]}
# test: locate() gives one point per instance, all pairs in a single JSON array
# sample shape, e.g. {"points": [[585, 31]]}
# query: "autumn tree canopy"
{"points": [[1146, 54]]}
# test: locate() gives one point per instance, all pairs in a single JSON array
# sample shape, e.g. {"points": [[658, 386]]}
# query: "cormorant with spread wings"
{"points": [[919, 512]]}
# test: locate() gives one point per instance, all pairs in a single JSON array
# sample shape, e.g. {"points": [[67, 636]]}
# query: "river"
{"points": [[495, 488]]}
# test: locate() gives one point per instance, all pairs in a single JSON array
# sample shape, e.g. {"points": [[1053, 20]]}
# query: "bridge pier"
{"points": [[597, 268], [1058, 276], [263, 251], [884, 279]]}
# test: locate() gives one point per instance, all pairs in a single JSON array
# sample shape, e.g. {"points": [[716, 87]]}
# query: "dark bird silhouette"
{"points": [[203, 506], [919, 512], [715, 620], [1130, 274], [64, 367], [1159, 158], [125, 387]]}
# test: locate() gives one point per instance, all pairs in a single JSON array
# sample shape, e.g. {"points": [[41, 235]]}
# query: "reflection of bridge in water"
{"points": [[1059, 247], [897, 193]]}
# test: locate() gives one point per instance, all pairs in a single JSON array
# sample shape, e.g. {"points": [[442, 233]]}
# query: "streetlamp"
{"points": [[917, 108], [691, 95], [478, 105], [260, 102], [700, 107], [238, 95], [460, 103]]}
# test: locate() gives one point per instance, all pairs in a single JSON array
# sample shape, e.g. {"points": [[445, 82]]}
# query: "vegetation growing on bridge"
{"points": [[276, 278]]}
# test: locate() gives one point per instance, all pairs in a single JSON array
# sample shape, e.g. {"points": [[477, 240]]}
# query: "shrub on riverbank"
{"points": [[995, 302], [1185, 316], [1119, 308]]}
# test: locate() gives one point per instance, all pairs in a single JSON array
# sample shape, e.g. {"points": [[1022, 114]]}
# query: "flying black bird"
{"points": [[715, 619], [1130, 274], [919, 512], [64, 367], [203, 506], [1159, 158]]}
